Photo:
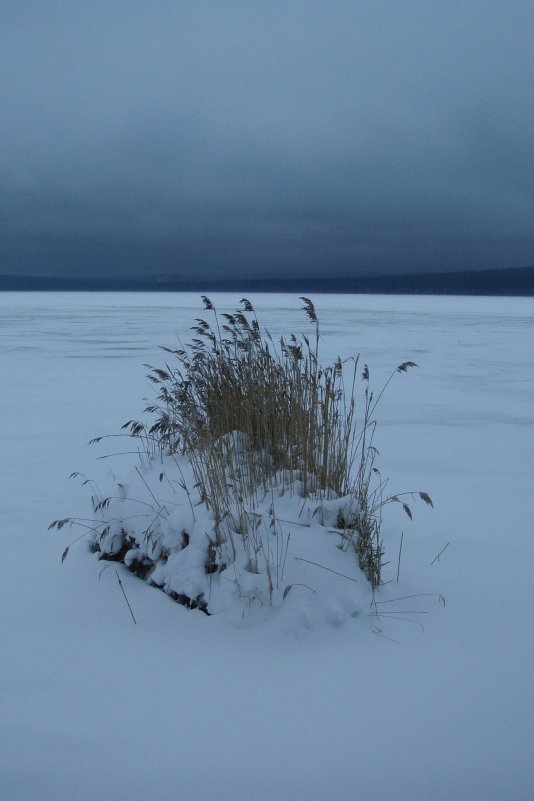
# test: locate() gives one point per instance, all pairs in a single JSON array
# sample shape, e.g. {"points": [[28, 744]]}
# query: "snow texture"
{"points": [[424, 702]]}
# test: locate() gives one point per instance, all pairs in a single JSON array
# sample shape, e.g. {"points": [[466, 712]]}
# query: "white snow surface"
{"points": [[426, 703]]}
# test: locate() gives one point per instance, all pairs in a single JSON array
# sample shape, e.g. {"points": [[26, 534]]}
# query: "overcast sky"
{"points": [[281, 137]]}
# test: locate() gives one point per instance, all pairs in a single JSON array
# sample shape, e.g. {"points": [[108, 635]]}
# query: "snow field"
{"points": [[94, 707]]}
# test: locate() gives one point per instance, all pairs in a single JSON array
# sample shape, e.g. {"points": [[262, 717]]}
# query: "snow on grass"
{"points": [[94, 707], [265, 459], [283, 558]]}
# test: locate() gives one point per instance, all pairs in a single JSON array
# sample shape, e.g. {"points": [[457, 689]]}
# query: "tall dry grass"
{"points": [[255, 418], [249, 412]]}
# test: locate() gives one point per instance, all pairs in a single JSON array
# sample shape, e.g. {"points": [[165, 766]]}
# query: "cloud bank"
{"points": [[273, 138]]}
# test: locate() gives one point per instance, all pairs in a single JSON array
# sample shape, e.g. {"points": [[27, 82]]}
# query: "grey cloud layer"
{"points": [[273, 136]]}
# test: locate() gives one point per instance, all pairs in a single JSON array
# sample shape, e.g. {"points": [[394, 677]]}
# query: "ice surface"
{"points": [[93, 707]]}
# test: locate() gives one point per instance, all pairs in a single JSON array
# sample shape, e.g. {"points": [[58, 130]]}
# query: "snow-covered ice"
{"points": [[182, 704]]}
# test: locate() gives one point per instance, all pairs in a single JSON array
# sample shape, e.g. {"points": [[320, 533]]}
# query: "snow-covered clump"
{"points": [[255, 492], [276, 552]]}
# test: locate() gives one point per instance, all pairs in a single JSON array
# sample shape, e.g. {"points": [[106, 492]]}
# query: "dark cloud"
{"points": [[269, 137]]}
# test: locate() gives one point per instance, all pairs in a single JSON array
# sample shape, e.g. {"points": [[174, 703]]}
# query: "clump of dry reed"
{"points": [[290, 410], [249, 412], [256, 417]]}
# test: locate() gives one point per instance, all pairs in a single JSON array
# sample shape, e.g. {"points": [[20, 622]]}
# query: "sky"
{"points": [[210, 138]]}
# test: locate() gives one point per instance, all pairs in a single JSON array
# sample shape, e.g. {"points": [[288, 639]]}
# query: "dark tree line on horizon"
{"points": [[513, 281]]}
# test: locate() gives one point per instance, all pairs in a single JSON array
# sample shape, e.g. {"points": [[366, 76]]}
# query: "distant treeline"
{"points": [[512, 281]]}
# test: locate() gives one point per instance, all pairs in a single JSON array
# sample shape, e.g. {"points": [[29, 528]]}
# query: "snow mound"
{"points": [[276, 553]]}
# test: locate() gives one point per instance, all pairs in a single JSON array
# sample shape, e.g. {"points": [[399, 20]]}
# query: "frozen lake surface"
{"points": [[182, 705]]}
